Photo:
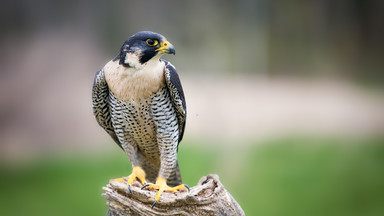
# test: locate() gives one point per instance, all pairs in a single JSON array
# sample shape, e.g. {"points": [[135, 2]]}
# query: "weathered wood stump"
{"points": [[208, 197]]}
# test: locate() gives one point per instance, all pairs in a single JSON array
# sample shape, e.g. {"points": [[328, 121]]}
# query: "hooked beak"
{"points": [[167, 47]]}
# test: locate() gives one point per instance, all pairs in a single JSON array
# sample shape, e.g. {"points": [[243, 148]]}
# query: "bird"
{"points": [[139, 101]]}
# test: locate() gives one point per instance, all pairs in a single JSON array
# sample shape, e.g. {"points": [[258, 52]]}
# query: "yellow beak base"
{"points": [[166, 47]]}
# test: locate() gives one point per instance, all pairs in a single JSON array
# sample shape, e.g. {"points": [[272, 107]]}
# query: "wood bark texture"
{"points": [[208, 197]]}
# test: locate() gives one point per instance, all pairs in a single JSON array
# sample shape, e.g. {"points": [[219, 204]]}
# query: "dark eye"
{"points": [[151, 42]]}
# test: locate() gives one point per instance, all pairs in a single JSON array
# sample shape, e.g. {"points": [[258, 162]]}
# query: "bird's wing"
{"points": [[177, 95], [100, 104]]}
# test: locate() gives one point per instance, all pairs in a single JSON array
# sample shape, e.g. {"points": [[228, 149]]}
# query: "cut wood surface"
{"points": [[208, 197]]}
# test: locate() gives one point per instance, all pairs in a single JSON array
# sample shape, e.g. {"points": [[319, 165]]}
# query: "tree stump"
{"points": [[208, 197]]}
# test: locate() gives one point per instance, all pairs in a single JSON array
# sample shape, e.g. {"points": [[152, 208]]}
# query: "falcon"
{"points": [[139, 101]]}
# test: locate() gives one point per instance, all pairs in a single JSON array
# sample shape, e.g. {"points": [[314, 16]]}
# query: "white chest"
{"points": [[132, 83]]}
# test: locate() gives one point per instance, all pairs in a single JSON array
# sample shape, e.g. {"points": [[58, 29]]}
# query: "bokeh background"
{"points": [[285, 101]]}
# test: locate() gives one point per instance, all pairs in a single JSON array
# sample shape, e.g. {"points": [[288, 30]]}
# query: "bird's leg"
{"points": [[134, 156], [167, 142], [161, 185]]}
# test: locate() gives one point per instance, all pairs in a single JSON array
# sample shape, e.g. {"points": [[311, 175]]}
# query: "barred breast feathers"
{"points": [[134, 83]]}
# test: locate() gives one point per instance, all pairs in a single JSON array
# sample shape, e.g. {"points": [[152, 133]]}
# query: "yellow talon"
{"points": [[177, 188], [161, 185], [137, 172], [119, 180]]}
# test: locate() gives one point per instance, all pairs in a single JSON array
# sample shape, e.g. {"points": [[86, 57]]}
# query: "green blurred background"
{"points": [[285, 101]]}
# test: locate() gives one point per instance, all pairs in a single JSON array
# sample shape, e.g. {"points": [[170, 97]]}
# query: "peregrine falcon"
{"points": [[139, 101]]}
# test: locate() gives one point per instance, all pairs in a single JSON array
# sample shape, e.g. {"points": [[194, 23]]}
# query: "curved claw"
{"points": [[129, 188], [146, 185], [187, 187], [153, 204]]}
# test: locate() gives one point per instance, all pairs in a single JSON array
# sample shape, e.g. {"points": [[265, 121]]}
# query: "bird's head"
{"points": [[142, 47]]}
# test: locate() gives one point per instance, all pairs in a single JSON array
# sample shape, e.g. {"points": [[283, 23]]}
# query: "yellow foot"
{"points": [[161, 185], [138, 173], [119, 180]]}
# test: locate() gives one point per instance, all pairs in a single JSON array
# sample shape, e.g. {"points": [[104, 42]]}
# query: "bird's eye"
{"points": [[151, 42]]}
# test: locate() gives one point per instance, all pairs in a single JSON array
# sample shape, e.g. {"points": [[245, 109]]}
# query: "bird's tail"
{"points": [[175, 177]]}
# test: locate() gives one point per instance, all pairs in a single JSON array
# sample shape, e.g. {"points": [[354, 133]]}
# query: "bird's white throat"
{"points": [[133, 60], [134, 83]]}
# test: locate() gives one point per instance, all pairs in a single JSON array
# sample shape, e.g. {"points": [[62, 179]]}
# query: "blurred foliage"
{"points": [[292, 176], [315, 177], [306, 38]]}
